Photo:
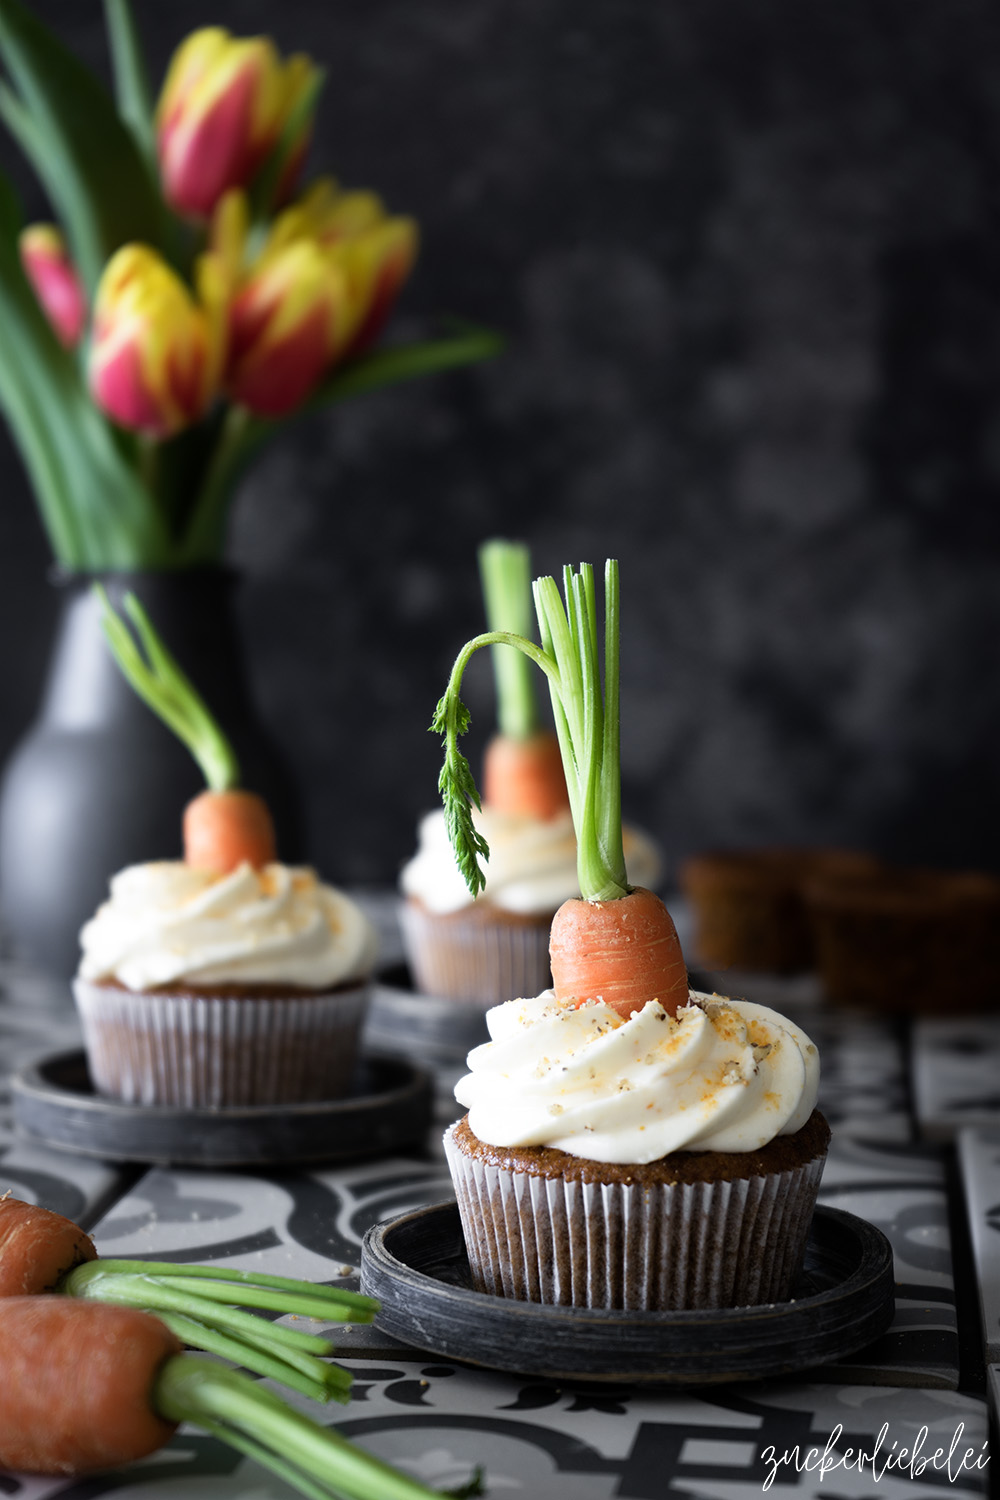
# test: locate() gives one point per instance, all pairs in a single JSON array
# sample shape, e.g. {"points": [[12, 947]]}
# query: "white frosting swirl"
{"points": [[531, 869], [723, 1075], [167, 923]]}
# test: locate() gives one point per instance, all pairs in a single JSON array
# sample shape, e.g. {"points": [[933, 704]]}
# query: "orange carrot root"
{"points": [[625, 952], [222, 829], [37, 1248], [76, 1378], [525, 777]]}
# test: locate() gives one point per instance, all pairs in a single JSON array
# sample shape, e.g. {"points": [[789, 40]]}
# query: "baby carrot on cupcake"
{"points": [[225, 824], [615, 941], [522, 766]]}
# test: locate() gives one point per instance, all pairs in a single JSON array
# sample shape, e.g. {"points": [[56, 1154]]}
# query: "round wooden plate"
{"points": [[439, 1030], [416, 1266], [390, 1110]]}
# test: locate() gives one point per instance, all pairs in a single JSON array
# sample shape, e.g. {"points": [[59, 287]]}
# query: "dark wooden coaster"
{"points": [[416, 1266], [390, 1110], [401, 1019]]}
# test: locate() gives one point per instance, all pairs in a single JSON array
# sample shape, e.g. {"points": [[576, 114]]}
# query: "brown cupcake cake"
{"points": [[908, 940], [174, 1001], [749, 907], [483, 951], [596, 1165], [721, 1224]]}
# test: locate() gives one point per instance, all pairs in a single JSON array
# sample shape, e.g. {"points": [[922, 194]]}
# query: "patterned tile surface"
{"points": [[979, 1156], [956, 1074], [437, 1419], [901, 1189]]}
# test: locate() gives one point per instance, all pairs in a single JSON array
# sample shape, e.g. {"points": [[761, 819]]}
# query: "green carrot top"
{"points": [[505, 571], [587, 724], [160, 682]]}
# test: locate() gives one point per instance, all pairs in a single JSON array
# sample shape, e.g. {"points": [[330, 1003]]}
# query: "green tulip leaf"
{"points": [[467, 345], [264, 188], [86, 157], [243, 435], [132, 90]]}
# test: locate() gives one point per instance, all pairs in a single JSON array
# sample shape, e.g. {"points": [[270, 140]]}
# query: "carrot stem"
{"points": [[159, 681], [209, 1318], [233, 1407], [505, 571], [332, 1304], [269, 1460], [587, 725], [248, 1296], [102, 1267], [152, 1292], [199, 1336]]}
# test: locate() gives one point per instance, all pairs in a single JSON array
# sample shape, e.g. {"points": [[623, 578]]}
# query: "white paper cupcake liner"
{"points": [[204, 1051], [474, 957], [635, 1246]]}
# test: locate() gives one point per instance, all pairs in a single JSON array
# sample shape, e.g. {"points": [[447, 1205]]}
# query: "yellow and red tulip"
{"points": [[285, 314], [157, 350], [320, 289], [376, 252], [56, 284], [224, 105]]}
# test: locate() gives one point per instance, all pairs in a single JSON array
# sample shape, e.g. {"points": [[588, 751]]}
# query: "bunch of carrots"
{"points": [[91, 1378], [615, 941]]}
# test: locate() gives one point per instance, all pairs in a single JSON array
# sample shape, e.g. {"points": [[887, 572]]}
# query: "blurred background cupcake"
{"points": [[496, 947]]}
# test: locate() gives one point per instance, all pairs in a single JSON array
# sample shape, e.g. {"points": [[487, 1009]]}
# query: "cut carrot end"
{"points": [[625, 952], [222, 830], [525, 778], [37, 1248]]}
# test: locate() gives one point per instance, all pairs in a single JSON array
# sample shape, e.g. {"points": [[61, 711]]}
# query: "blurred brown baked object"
{"points": [[908, 939], [748, 904]]}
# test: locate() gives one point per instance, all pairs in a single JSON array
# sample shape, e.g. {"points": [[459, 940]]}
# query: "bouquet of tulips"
{"points": [[194, 294]]}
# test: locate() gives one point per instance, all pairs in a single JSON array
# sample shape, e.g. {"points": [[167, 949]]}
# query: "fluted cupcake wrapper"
{"points": [[204, 1051], [474, 957], [636, 1246]]}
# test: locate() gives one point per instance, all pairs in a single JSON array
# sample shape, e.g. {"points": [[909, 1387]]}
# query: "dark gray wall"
{"points": [[749, 261]]}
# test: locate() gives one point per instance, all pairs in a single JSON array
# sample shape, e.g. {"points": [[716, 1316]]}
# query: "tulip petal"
{"points": [[284, 326], [280, 380], [200, 158], [118, 386], [157, 352], [56, 284], [223, 108]]}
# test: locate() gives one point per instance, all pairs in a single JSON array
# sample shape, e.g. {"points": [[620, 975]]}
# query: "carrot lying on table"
{"points": [[37, 1247], [63, 1414], [614, 942], [85, 1386], [41, 1251], [225, 825]]}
